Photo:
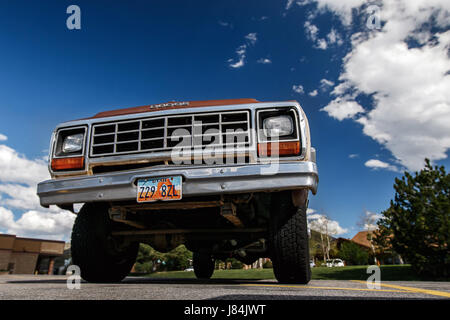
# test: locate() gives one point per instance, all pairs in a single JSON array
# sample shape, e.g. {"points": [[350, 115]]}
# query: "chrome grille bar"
{"points": [[155, 134]]}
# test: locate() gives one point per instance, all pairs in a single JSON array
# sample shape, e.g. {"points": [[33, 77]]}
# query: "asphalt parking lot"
{"points": [[37, 287]]}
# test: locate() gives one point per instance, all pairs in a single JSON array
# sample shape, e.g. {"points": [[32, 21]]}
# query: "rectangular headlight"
{"points": [[278, 126], [73, 143]]}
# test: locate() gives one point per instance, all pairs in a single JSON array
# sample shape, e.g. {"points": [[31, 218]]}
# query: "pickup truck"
{"points": [[226, 178]]}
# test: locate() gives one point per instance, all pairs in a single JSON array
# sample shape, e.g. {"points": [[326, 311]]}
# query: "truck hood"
{"points": [[172, 105]]}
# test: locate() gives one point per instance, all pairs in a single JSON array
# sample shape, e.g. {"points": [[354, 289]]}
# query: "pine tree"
{"points": [[417, 223]]}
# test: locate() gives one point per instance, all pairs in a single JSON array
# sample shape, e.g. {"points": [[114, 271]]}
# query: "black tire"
{"points": [[289, 242], [203, 265], [95, 251]]}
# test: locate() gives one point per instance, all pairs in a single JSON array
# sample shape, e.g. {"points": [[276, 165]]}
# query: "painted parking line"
{"points": [[412, 289], [314, 287]]}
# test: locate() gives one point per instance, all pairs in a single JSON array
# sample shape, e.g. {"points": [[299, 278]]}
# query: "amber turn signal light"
{"points": [[291, 148], [74, 163]]}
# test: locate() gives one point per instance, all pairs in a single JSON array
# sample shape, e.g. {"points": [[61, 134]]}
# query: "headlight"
{"points": [[73, 143], [278, 126]]}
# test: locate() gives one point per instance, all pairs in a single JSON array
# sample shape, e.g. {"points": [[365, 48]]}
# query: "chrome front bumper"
{"points": [[197, 181]]}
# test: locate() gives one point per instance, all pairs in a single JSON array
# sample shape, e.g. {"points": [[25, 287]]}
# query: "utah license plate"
{"points": [[164, 188]]}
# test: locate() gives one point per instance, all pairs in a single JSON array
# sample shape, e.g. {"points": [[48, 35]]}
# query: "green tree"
{"points": [[353, 254], [417, 224]]}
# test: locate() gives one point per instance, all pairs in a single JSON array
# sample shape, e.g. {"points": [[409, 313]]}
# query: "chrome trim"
{"points": [[197, 181], [67, 129], [252, 107], [193, 126]]}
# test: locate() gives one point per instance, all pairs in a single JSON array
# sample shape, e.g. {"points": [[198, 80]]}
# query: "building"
{"points": [[386, 256], [28, 256]]}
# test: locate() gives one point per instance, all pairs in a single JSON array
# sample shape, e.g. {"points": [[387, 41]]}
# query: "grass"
{"points": [[388, 273]]}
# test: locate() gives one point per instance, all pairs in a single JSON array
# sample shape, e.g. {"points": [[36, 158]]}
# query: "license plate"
{"points": [[164, 188]]}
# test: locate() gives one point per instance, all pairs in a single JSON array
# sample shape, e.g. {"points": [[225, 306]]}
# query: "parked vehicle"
{"points": [[227, 178], [335, 263]]}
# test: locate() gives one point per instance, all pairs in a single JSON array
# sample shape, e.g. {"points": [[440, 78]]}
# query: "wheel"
{"points": [[203, 265], [101, 258], [289, 242]]}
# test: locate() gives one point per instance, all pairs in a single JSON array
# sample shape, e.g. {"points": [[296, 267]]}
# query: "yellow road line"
{"points": [[323, 288], [412, 289]]}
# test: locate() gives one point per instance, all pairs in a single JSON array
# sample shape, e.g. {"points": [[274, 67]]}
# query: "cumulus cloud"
{"points": [[38, 224], [369, 220], [321, 223], [3, 137], [343, 9], [19, 177], [404, 68], [378, 164], [298, 88], [343, 108]]}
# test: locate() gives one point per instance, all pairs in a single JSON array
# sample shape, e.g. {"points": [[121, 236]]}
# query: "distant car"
{"points": [[189, 269], [311, 263], [335, 263]]}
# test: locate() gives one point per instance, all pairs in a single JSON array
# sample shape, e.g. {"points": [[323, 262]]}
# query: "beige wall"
{"points": [[24, 262], [24, 253], [7, 241], [26, 245], [5, 257], [56, 248]]}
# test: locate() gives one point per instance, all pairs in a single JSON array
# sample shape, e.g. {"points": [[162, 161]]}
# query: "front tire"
{"points": [[289, 241], [101, 258], [203, 265]]}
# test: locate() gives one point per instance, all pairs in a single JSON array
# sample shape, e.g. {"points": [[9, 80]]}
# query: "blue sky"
{"points": [[131, 53]]}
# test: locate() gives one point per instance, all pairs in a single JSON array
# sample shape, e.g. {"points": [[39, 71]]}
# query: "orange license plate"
{"points": [[164, 188]]}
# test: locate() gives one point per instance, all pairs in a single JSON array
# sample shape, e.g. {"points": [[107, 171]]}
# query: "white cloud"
{"points": [[252, 37], [264, 61], [353, 155], [313, 93], [334, 37], [241, 51], [225, 24], [38, 224], [370, 220], [311, 30], [18, 169], [324, 83], [378, 164], [408, 84], [321, 44], [3, 137], [341, 8], [298, 88], [343, 108], [289, 4], [321, 223], [19, 177]]}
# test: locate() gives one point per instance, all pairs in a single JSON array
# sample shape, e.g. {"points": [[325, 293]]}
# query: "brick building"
{"points": [[28, 256]]}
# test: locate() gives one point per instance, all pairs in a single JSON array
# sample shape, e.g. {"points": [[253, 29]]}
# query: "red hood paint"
{"points": [[172, 105]]}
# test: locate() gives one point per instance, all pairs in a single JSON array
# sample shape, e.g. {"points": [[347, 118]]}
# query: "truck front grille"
{"points": [[228, 129]]}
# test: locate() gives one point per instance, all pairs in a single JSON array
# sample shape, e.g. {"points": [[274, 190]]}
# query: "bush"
{"points": [[353, 254]]}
